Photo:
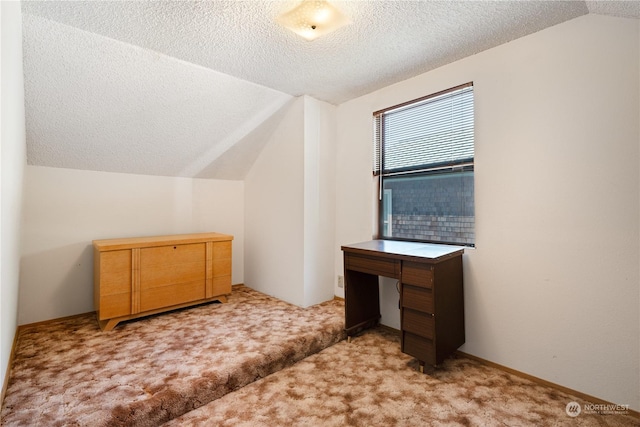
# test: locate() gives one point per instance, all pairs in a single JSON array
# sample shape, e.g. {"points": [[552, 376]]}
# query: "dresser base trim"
{"points": [[109, 324]]}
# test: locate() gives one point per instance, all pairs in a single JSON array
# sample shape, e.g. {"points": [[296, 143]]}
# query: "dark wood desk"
{"points": [[431, 295]]}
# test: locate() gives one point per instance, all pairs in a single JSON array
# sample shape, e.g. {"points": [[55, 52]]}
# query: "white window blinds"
{"points": [[428, 134]]}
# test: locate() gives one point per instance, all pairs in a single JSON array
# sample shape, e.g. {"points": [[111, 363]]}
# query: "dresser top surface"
{"points": [[171, 239], [392, 248]]}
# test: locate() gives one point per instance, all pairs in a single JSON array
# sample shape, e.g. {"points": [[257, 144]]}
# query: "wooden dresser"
{"points": [[431, 297], [135, 277]]}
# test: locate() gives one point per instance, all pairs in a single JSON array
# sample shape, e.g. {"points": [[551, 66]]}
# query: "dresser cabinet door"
{"points": [[221, 270], [114, 279], [171, 275]]}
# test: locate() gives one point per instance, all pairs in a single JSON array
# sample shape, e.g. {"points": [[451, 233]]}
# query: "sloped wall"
{"points": [[96, 103]]}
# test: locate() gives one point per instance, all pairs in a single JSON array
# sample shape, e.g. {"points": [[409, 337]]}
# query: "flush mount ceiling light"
{"points": [[313, 18]]}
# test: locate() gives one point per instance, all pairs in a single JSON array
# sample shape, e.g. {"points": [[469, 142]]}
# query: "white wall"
{"points": [[274, 212], [290, 207], [65, 209], [319, 200], [12, 162], [552, 288]]}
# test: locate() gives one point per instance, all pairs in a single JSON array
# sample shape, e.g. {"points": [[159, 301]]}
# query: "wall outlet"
{"points": [[341, 281]]}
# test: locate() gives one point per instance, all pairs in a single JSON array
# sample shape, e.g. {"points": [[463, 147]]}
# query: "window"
{"points": [[423, 155]]}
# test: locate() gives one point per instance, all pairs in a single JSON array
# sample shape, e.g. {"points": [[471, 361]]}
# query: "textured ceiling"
{"points": [[183, 88]]}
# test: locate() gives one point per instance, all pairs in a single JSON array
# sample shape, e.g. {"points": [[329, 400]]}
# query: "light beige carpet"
{"points": [[369, 382], [215, 361], [149, 371]]}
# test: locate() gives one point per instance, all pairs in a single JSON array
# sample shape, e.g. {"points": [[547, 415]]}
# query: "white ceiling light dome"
{"points": [[313, 18]]}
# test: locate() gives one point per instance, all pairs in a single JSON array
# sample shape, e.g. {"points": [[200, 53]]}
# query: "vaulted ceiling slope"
{"points": [[194, 88]]}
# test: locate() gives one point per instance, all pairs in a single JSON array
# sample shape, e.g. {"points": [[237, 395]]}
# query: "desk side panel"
{"points": [[449, 306]]}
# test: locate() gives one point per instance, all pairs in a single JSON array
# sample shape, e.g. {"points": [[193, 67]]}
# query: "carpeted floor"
{"points": [[235, 364], [369, 382], [149, 371]]}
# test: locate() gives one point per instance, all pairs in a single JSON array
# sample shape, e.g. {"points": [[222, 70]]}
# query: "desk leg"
{"points": [[362, 301]]}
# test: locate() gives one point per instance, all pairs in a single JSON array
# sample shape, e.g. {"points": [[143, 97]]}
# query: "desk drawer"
{"points": [[377, 266], [418, 323], [417, 298], [419, 347], [418, 274]]}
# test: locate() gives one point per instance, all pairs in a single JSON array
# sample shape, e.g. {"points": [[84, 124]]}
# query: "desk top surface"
{"points": [[405, 249]]}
